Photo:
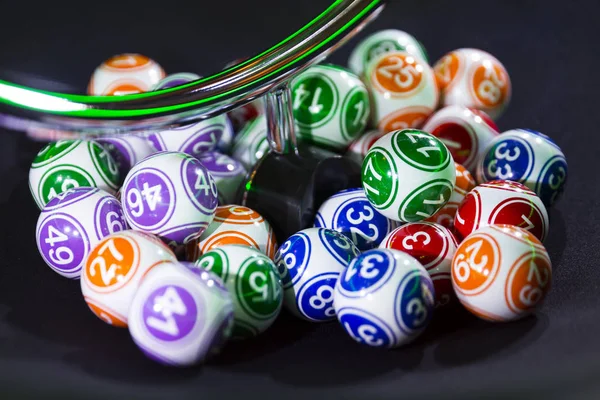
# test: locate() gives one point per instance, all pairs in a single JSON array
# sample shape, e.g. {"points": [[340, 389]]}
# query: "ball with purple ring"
{"points": [[127, 150], [180, 315], [72, 223], [170, 194], [228, 173]]}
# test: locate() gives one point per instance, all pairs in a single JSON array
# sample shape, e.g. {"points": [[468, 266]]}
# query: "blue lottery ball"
{"points": [[528, 157], [350, 213], [309, 264], [385, 298]]}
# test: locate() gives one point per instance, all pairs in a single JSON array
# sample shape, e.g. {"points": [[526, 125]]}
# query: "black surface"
{"points": [[51, 345]]}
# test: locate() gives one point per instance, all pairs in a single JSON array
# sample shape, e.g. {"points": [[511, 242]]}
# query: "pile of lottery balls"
{"points": [[451, 211]]}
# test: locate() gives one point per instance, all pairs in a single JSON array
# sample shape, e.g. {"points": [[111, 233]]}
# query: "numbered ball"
{"points": [[433, 246], [403, 91], [254, 284], [235, 224], [501, 273], [350, 213], [464, 184], [359, 148], [310, 263], [227, 172], [127, 150], [473, 78], [408, 175], [383, 42], [251, 144], [178, 316], [172, 80], [384, 298], [465, 131], [331, 106], [72, 223], [171, 195], [501, 202], [113, 271], [68, 164], [125, 74], [528, 157]]}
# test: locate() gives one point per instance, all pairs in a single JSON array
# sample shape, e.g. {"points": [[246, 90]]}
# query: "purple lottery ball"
{"points": [[170, 313]]}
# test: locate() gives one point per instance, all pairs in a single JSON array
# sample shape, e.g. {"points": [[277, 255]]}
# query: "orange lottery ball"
{"points": [[125, 74]]}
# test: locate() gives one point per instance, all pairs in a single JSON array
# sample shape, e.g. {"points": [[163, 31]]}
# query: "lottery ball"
{"points": [[473, 78], [113, 271], [465, 131], [178, 316], [68, 164], [251, 144], [331, 106], [310, 263], [171, 195], [463, 185], [403, 91], [350, 213], [254, 284], [227, 172], [408, 175], [433, 246], [125, 74], [501, 273], [126, 150], [72, 223], [383, 42], [177, 79], [385, 298], [358, 149], [501, 202], [235, 224], [528, 157]]}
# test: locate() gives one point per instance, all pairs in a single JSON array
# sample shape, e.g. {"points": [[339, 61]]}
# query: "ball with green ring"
{"points": [[254, 283], [408, 175], [331, 106]]}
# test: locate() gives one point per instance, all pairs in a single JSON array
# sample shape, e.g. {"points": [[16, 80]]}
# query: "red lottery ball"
{"points": [[501, 202], [433, 246]]}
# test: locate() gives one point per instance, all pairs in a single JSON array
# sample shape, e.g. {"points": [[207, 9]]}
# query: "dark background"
{"points": [[51, 345]]}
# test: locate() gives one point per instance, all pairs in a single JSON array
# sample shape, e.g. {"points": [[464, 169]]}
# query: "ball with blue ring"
{"points": [[385, 298], [350, 213], [528, 157], [310, 263]]}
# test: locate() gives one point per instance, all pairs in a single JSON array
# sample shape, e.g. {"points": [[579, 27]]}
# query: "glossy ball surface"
{"points": [[473, 78], [125, 74], [127, 150], [358, 149], [466, 132], [253, 282], [501, 273], [227, 172], [350, 213], [408, 175], [171, 195], [382, 42], [528, 157], [235, 224], [463, 185], [114, 269], [172, 80], [180, 316], [385, 298], [403, 90], [69, 164], [331, 106], [310, 263], [72, 223], [501, 202], [433, 246], [251, 144]]}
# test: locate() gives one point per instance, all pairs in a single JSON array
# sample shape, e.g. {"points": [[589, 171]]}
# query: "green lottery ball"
{"points": [[408, 175], [331, 106], [383, 42], [69, 164], [254, 283]]}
